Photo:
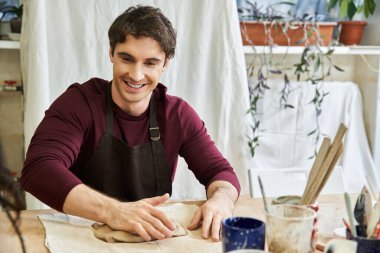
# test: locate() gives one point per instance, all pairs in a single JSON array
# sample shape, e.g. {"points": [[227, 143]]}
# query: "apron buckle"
{"points": [[154, 133]]}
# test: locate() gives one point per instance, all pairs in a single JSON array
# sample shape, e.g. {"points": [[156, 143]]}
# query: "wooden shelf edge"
{"points": [[9, 44], [11, 92], [340, 50]]}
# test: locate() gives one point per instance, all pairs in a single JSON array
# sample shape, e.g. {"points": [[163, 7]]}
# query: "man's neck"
{"points": [[136, 108]]}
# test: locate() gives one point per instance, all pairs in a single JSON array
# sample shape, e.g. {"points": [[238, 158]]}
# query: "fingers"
{"points": [[211, 220], [162, 222], [215, 228], [146, 231], [206, 223], [153, 232], [149, 227], [163, 219], [160, 226], [196, 220], [211, 223], [155, 201], [140, 230]]}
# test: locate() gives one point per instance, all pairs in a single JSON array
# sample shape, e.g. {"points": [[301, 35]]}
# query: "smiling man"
{"points": [[108, 151]]}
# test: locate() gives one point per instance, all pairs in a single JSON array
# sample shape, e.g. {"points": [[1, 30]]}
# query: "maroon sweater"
{"points": [[75, 123]]}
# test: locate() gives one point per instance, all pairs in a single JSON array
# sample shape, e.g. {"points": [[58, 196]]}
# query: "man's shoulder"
{"points": [[175, 104], [94, 86], [177, 108], [82, 95], [170, 100]]}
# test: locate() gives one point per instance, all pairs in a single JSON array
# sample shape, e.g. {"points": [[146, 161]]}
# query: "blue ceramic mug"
{"points": [[242, 233]]}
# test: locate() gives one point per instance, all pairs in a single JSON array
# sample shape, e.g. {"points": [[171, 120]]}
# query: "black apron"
{"points": [[128, 173]]}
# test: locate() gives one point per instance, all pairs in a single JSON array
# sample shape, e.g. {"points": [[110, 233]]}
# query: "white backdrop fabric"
{"points": [[284, 140], [66, 41]]}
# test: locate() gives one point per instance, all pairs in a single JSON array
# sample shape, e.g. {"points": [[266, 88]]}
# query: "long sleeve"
{"points": [[54, 148]]}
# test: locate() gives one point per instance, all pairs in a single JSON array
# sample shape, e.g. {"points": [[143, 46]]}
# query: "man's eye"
{"points": [[151, 63], [127, 59]]}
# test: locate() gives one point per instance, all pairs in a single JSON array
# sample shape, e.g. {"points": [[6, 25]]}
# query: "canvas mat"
{"points": [[66, 233]]}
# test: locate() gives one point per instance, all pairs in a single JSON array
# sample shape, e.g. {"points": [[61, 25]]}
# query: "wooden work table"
{"points": [[34, 233]]}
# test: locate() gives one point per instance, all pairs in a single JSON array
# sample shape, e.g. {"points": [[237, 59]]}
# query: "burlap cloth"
{"points": [[65, 233]]}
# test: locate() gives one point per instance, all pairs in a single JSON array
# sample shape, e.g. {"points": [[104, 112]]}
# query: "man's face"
{"points": [[137, 67]]}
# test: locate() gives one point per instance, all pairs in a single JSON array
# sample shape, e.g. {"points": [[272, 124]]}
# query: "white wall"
{"points": [[371, 34]]}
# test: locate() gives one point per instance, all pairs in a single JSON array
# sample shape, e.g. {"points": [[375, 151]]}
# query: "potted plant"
{"points": [[261, 27], [314, 66], [17, 11], [352, 30]]}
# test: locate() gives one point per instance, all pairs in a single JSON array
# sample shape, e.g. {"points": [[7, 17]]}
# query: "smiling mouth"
{"points": [[134, 86]]}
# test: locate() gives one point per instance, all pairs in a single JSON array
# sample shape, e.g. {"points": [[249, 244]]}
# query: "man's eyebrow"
{"points": [[154, 59], [125, 55]]}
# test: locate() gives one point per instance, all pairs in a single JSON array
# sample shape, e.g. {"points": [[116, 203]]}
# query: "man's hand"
{"points": [[143, 218], [221, 202]]}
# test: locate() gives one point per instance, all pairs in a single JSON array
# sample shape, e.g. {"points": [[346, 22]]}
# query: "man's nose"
{"points": [[136, 73]]}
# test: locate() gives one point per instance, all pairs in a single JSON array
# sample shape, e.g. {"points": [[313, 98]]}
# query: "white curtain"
{"points": [[66, 41]]}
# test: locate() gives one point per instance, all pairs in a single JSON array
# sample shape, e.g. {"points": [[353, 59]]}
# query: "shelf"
{"points": [[340, 50], [9, 44], [11, 92]]}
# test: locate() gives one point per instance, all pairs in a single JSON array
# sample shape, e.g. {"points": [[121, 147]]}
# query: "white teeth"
{"points": [[138, 86]]}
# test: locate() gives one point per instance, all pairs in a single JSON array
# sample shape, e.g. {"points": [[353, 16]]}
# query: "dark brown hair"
{"points": [[144, 21]]}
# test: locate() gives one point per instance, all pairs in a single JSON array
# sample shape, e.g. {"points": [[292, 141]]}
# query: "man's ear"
{"points": [[166, 65], [111, 55]]}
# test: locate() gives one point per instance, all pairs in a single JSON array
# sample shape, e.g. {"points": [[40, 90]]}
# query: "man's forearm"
{"points": [[223, 189], [87, 203], [140, 217]]}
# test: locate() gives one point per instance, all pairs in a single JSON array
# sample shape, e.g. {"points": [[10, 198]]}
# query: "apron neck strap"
{"points": [[109, 112], [154, 131]]}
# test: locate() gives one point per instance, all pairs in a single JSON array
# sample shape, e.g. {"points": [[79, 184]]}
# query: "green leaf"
{"points": [[312, 132], [275, 71], [317, 64], [369, 7], [366, 10], [330, 52], [351, 10], [332, 4], [372, 6], [289, 106], [284, 2], [338, 68], [343, 8]]}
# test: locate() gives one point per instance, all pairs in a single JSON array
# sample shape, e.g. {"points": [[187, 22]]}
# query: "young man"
{"points": [[108, 151]]}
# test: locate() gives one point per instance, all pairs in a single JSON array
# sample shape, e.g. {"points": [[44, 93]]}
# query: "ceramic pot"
{"points": [[257, 33], [16, 25], [351, 32]]}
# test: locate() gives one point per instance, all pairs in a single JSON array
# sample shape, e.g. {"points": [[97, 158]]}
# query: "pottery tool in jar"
{"points": [[326, 159], [263, 194]]}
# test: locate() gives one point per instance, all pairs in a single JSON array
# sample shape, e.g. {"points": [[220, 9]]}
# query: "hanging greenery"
{"points": [[315, 65]]}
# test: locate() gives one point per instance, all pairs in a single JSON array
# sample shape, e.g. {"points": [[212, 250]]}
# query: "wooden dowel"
{"points": [[322, 171], [322, 152], [329, 172]]}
